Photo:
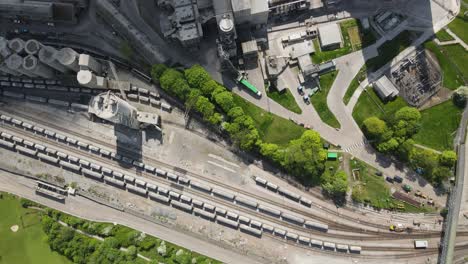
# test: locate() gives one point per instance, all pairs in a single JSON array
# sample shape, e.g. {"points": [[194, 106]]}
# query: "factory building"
{"points": [[253, 12], [15, 64], [89, 79], [330, 36], [42, 10], [68, 58], [86, 62], [385, 89], [33, 65], [47, 55]]}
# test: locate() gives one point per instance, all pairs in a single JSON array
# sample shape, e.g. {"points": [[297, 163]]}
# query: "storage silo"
{"points": [[32, 64], [16, 45], [87, 62], [4, 49], [47, 56], [68, 58], [114, 109], [32, 47], [15, 63], [89, 79], [4, 68]]}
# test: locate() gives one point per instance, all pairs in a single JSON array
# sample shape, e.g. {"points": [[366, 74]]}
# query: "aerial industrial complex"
{"points": [[234, 131]]}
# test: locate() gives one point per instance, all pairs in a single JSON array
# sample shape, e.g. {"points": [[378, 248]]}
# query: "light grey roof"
{"points": [[301, 48], [385, 88], [330, 34]]}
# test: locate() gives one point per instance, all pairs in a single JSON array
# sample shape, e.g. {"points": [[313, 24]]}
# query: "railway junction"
{"points": [[90, 133]]}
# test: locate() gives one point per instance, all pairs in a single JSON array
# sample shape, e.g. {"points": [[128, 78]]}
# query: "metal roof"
{"points": [[330, 34]]}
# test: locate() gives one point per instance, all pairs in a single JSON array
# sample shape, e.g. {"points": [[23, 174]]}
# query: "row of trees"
{"points": [[303, 158], [394, 136], [80, 248]]}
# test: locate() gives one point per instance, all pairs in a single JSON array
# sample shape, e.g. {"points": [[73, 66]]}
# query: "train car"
{"points": [[62, 155], [6, 135], [171, 176], [260, 181], [208, 207], [232, 215], [36, 99], [106, 170], [38, 129], [104, 152], [44, 157], [246, 202], [317, 226], [115, 182], [289, 194], [267, 228], [13, 95], [292, 219], [355, 249], [204, 214], [161, 172], [127, 160], [5, 118], [184, 180], [69, 166], [151, 187], [305, 202], [185, 199], [272, 186], [137, 190], [244, 220], [17, 139], [140, 183], [316, 243], [149, 168], [6, 144], [117, 175], [292, 236], [95, 167], [226, 222], [159, 198], [84, 163], [163, 191], [304, 240], [342, 248], [279, 232], [223, 194], [249, 230], [133, 97], [197, 203], [73, 159], [220, 211], [200, 187], [155, 102], [60, 137], [28, 143], [256, 224], [174, 195], [27, 125], [329, 246], [92, 174], [181, 206], [93, 148], [71, 141], [51, 151], [138, 164], [26, 151], [82, 145], [420, 244], [58, 102], [129, 179], [144, 99]]}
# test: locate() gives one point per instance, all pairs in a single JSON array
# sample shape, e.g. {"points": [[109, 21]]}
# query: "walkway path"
{"points": [[457, 39]]}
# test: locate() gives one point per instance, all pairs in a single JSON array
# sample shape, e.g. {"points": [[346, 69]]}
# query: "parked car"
{"points": [[398, 179], [300, 89], [378, 173], [389, 179], [407, 188], [306, 99]]}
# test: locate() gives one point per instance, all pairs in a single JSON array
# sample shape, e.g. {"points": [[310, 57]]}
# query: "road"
{"points": [[84, 208]]}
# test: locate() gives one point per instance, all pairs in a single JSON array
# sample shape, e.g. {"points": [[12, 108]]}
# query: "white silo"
{"points": [[4, 68], [32, 47], [87, 62], [4, 49], [112, 108], [68, 58], [32, 64], [16, 45], [47, 56], [15, 63], [89, 79]]}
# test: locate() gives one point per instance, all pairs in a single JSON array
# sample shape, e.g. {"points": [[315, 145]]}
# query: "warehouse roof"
{"points": [[385, 88], [301, 48], [330, 34]]}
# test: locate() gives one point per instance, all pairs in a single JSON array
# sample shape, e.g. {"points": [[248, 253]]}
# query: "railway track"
{"points": [[335, 226]]}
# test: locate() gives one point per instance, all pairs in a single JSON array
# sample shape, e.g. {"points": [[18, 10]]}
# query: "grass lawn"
{"points": [[389, 50], [372, 189], [28, 245], [442, 35], [460, 24], [319, 100], [459, 56], [354, 38], [450, 73], [438, 125], [272, 128], [286, 99], [369, 104], [362, 74]]}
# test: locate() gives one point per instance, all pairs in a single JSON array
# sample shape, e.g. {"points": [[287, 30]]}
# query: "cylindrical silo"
{"points": [[32, 46], [4, 49], [15, 63], [32, 64], [16, 45], [68, 58], [87, 62], [87, 78], [47, 56], [4, 68]]}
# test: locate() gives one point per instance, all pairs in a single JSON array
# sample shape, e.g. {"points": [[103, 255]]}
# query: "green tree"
{"points": [[408, 114], [157, 70], [208, 87], [459, 97], [192, 98], [196, 76], [169, 77], [131, 252], [388, 146], [374, 127], [335, 185], [181, 88], [440, 174], [305, 157], [270, 151], [215, 119], [404, 150], [424, 159], [235, 112], [448, 158], [225, 100], [243, 132], [205, 107]]}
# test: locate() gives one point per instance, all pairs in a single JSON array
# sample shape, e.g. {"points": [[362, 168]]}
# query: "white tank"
{"points": [[4, 49], [226, 25], [32, 47], [15, 63], [16, 45], [32, 64], [47, 56], [87, 62], [4, 68], [89, 79], [68, 58], [112, 108]]}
